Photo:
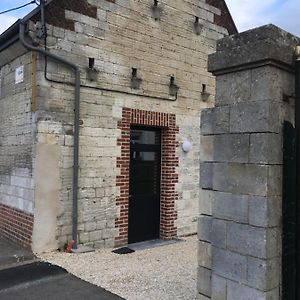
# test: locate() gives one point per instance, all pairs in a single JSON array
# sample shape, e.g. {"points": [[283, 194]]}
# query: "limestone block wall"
{"points": [[118, 36], [16, 152], [240, 230]]}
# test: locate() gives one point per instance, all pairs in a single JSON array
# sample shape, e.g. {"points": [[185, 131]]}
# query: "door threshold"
{"points": [[153, 244]]}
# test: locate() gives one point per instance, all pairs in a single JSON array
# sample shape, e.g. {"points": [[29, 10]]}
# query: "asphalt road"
{"points": [[24, 277], [13, 255], [43, 281]]}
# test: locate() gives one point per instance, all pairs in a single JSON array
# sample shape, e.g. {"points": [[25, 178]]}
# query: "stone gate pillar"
{"points": [[241, 170]]}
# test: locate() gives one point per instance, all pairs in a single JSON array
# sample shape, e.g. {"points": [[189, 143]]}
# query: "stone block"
{"points": [[204, 228], [254, 241], [233, 88], [266, 148], [202, 297], [274, 180], [204, 281], [90, 226], [101, 224], [274, 294], [204, 254], [66, 230], [240, 178], [206, 175], [265, 211], [263, 274], [270, 43], [229, 264], [255, 117], [109, 233], [236, 291], [266, 84], [109, 243], [99, 244], [267, 33], [230, 207], [95, 235], [218, 233], [206, 148], [215, 120], [231, 148], [218, 288], [83, 237], [205, 201]]}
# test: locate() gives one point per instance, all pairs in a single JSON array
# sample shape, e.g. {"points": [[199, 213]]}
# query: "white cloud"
{"points": [[6, 21], [248, 14]]}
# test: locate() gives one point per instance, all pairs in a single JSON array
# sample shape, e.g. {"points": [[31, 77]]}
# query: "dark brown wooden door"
{"points": [[144, 190]]}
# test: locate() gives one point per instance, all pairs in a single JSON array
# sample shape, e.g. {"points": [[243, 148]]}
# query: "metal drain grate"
{"points": [[123, 250]]}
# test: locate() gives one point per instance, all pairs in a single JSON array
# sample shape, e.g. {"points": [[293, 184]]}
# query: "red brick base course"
{"points": [[169, 177], [16, 225]]}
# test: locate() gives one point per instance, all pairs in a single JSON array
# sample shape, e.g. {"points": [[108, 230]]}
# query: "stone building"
{"points": [[143, 83]]}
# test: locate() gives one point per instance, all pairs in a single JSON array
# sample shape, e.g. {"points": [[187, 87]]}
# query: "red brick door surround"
{"points": [[169, 176]]}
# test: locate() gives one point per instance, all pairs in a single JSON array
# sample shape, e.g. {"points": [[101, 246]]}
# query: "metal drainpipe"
{"points": [[76, 70], [297, 127], [43, 20]]}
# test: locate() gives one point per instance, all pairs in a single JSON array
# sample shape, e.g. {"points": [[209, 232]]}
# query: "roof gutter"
{"points": [[10, 36], [76, 71]]}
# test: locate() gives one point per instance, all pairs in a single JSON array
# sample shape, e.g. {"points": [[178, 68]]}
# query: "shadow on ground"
{"points": [[41, 280], [24, 277]]}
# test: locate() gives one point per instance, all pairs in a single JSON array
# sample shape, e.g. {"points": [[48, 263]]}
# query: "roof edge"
{"points": [[231, 18], [224, 20], [11, 34]]}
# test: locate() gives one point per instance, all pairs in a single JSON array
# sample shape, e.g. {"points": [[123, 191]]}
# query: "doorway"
{"points": [[144, 184], [289, 216]]}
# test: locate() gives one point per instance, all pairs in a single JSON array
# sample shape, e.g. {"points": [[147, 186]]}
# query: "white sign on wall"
{"points": [[19, 76]]}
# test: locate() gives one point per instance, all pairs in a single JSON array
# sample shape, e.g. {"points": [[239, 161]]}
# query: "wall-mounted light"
{"points": [[186, 146], [197, 26], [173, 87], [135, 80], [156, 11], [204, 94]]}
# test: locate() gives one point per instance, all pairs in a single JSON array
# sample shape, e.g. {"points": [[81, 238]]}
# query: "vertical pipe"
{"points": [[43, 20], [76, 157], [33, 82], [297, 126], [76, 70], [76, 134]]}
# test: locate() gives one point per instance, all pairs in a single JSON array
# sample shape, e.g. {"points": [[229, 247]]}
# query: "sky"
{"points": [[247, 14]]}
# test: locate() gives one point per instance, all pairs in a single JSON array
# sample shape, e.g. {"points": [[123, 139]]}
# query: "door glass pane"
{"points": [[144, 173], [145, 137], [143, 156]]}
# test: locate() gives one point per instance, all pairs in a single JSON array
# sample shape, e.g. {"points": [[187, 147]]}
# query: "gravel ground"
{"points": [[165, 272]]}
